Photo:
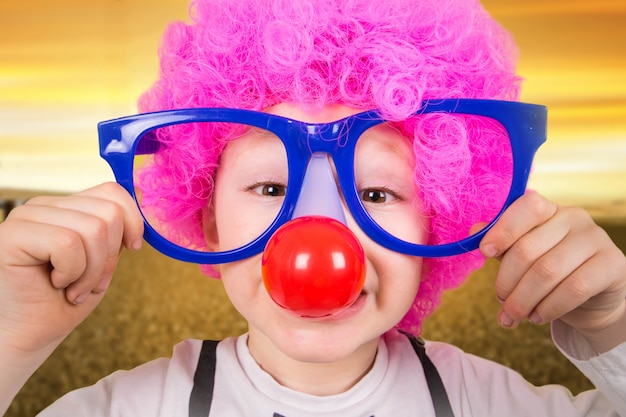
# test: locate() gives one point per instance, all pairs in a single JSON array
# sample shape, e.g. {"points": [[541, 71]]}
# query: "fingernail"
{"points": [[505, 320], [103, 285], [81, 298], [137, 244], [490, 250], [535, 318]]}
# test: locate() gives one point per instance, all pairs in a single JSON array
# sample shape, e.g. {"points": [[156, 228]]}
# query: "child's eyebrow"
{"points": [[257, 139], [260, 131], [237, 131], [393, 140]]}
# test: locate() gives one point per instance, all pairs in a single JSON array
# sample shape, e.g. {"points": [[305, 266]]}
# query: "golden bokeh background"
{"points": [[67, 64]]}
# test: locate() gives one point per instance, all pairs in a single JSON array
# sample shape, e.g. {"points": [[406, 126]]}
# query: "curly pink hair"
{"points": [[390, 55]]}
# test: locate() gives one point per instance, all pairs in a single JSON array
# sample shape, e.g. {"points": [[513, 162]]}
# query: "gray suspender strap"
{"points": [[204, 381], [435, 385]]}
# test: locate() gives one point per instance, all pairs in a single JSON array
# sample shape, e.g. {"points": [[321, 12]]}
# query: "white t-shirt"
{"points": [[395, 386]]}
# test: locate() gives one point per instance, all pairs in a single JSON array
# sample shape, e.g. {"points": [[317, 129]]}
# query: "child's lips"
{"points": [[344, 314]]}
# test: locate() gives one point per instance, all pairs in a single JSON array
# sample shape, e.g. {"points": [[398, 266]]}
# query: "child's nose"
{"points": [[319, 194], [314, 265]]}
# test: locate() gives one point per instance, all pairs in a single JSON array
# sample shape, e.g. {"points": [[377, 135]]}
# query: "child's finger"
{"points": [[34, 244], [100, 220], [97, 239], [522, 216], [582, 301], [525, 253], [543, 276], [133, 221]]}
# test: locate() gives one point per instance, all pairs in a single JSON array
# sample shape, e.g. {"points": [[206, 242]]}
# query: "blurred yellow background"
{"points": [[67, 64]]}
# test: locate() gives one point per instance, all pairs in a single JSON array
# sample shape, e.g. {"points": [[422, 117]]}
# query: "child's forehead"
{"points": [[325, 114], [382, 138]]}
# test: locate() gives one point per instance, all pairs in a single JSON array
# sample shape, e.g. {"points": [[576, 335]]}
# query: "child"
{"points": [[320, 62]]}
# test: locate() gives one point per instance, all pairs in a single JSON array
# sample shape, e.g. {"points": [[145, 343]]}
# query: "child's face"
{"points": [[392, 279]]}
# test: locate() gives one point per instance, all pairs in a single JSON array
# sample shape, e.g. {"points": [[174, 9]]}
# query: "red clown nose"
{"points": [[314, 266]]}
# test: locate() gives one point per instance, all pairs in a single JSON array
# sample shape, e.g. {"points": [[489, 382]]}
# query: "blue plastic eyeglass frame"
{"points": [[119, 138]]}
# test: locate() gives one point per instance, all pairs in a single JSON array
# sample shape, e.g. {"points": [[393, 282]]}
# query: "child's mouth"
{"points": [[344, 314]]}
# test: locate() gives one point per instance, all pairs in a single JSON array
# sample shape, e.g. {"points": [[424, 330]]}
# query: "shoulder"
{"points": [[446, 357], [399, 344], [148, 389], [456, 368], [470, 381], [477, 386]]}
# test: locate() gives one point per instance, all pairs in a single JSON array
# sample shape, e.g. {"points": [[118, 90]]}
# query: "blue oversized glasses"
{"points": [[482, 149]]}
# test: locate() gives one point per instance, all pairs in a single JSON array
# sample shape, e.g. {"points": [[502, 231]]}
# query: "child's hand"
{"points": [[556, 263], [57, 256]]}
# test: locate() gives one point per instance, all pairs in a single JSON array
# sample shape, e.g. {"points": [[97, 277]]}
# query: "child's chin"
{"points": [[326, 349]]}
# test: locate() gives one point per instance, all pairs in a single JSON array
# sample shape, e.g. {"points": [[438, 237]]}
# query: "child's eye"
{"points": [[377, 196], [269, 189]]}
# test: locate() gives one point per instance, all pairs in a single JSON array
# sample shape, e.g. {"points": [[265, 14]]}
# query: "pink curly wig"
{"points": [[365, 54]]}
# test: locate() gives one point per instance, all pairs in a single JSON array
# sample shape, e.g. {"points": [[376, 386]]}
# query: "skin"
{"points": [[57, 257], [556, 264], [315, 355]]}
